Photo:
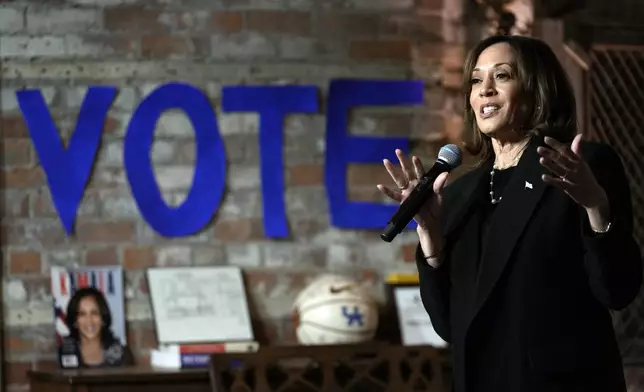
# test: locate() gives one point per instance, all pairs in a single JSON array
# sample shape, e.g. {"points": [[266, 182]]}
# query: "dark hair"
{"points": [[107, 338], [543, 83]]}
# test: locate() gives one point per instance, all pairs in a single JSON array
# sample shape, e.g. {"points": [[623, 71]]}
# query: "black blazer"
{"points": [[538, 319]]}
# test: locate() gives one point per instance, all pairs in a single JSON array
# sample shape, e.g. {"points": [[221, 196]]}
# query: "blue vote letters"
{"points": [[272, 103], [210, 165], [68, 170], [342, 149]]}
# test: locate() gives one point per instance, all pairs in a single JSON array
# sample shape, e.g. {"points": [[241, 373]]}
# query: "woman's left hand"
{"points": [[571, 173]]}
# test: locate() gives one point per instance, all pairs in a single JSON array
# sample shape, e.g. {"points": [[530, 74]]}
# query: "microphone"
{"points": [[449, 158]]}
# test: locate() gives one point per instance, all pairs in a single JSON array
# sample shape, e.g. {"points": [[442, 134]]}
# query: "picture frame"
{"points": [[192, 305], [414, 323]]}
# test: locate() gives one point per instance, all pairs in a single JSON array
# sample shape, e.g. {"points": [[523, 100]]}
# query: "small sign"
{"points": [[199, 305], [415, 325]]}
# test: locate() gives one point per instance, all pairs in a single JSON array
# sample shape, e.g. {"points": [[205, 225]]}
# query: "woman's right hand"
{"points": [[428, 217]]}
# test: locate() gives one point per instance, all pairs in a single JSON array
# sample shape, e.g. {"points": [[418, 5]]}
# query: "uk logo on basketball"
{"points": [[354, 316], [335, 309]]}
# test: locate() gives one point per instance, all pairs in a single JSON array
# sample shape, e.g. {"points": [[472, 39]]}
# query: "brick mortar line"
{"points": [[194, 70]]}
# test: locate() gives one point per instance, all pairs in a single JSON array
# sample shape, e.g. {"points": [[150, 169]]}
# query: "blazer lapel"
{"points": [[520, 198], [463, 198]]}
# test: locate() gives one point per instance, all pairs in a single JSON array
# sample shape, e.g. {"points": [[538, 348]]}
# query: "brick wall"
{"points": [[135, 45]]}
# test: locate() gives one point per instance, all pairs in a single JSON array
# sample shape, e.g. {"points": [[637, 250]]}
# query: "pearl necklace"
{"points": [[494, 200], [498, 199]]}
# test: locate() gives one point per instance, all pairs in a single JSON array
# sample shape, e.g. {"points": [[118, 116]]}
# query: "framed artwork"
{"points": [[416, 327], [89, 290], [199, 305]]}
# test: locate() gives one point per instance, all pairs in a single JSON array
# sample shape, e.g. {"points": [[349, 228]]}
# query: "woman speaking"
{"points": [[522, 258]]}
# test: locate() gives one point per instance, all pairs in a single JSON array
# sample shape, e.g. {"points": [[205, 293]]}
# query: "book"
{"points": [[196, 355], [89, 307]]}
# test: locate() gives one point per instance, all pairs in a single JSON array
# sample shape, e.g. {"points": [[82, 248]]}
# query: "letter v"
{"points": [[67, 170]]}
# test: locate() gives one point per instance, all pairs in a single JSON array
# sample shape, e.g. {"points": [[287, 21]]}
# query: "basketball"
{"points": [[335, 309]]}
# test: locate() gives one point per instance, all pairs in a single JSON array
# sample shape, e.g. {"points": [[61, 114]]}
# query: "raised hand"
{"points": [[571, 173], [406, 178]]}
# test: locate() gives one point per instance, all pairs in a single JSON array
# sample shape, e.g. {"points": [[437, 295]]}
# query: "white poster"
{"points": [[199, 305], [415, 325]]}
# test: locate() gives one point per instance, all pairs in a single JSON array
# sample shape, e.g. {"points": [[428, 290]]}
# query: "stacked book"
{"points": [[182, 356]]}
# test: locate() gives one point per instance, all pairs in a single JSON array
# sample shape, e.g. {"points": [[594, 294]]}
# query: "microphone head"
{"points": [[451, 155]]}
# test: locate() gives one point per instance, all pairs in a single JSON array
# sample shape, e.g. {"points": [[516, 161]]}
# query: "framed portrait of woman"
{"points": [[90, 317]]}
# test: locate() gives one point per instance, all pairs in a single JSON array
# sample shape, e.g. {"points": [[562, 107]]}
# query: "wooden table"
{"points": [[132, 379]]}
